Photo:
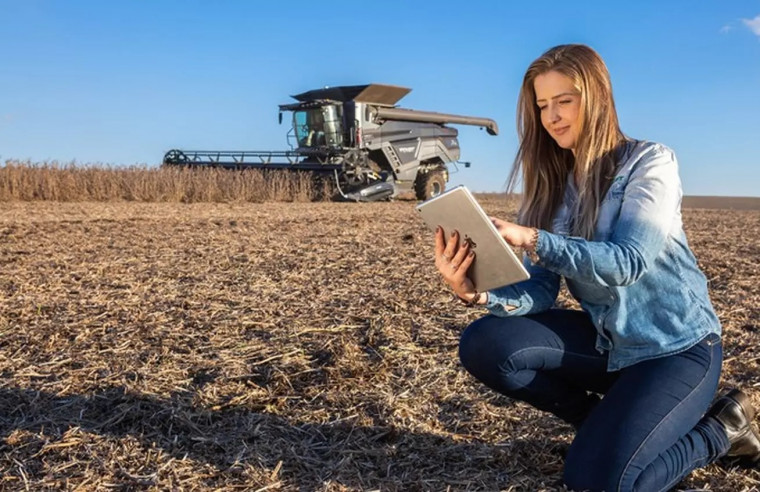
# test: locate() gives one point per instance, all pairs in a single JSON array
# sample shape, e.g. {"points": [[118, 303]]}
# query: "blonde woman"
{"points": [[635, 370]]}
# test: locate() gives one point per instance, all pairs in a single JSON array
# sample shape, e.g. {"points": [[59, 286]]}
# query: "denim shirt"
{"points": [[637, 279]]}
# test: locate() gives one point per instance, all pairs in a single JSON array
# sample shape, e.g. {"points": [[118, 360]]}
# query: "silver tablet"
{"points": [[495, 263]]}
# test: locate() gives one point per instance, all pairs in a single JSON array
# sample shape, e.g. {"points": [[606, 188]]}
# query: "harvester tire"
{"points": [[430, 184]]}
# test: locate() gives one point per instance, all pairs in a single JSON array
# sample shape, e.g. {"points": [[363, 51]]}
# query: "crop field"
{"points": [[280, 346]]}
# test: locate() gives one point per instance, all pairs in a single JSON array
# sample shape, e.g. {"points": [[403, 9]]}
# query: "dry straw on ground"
{"points": [[279, 346]]}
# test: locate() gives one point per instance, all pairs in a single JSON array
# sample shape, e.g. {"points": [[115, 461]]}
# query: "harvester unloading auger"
{"points": [[374, 149]]}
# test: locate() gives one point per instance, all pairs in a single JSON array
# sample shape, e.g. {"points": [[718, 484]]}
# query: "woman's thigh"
{"points": [[649, 408], [558, 342]]}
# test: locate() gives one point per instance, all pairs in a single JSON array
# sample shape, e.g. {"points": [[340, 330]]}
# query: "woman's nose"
{"points": [[554, 114]]}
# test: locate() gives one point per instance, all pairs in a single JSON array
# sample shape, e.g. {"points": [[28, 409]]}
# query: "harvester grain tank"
{"points": [[373, 149]]}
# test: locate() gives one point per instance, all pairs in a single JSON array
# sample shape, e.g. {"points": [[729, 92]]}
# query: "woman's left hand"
{"points": [[453, 261]]}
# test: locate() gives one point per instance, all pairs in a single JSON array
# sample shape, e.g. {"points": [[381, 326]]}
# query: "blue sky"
{"points": [[121, 82]]}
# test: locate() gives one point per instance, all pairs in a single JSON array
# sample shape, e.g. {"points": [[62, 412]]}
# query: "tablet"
{"points": [[495, 263]]}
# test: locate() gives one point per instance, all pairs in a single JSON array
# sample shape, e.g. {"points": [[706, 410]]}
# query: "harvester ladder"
{"points": [[392, 156]]}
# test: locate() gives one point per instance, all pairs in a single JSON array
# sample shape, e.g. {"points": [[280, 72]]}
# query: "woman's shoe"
{"points": [[735, 412]]}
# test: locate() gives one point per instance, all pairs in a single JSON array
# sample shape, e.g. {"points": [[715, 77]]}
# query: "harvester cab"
{"points": [[374, 149]]}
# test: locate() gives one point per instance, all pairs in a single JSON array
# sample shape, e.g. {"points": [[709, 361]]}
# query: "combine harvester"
{"points": [[372, 148]]}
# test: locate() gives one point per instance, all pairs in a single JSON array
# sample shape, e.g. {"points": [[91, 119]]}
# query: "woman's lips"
{"points": [[561, 131]]}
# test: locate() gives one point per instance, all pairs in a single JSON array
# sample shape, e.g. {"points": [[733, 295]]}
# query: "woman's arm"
{"points": [[534, 295], [650, 204]]}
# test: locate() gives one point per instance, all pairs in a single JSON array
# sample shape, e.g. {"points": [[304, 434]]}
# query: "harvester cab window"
{"points": [[319, 127], [309, 127]]}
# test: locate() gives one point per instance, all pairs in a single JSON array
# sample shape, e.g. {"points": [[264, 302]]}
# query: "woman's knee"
{"points": [[475, 340], [486, 343]]}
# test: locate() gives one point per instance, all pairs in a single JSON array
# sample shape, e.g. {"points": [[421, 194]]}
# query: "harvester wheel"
{"points": [[430, 184]]}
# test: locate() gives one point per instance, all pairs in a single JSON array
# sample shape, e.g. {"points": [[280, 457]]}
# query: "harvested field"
{"points": [[279, 346]]}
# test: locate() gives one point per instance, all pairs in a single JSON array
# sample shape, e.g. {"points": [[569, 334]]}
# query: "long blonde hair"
{"points": [[544, 166]]}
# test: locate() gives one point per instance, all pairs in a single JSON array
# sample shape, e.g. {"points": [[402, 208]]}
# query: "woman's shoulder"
{"points": [[647, 147], [640, 151]]}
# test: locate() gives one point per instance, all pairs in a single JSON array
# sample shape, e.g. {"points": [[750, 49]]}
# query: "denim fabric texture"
{"points": [[646, 434], [637, 279]]}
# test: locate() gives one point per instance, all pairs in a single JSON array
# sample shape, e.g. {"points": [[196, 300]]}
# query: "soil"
{"points": [[281, 346]]}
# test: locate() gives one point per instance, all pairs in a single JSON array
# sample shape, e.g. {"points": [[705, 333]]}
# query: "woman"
{"points": [[602, 211]]}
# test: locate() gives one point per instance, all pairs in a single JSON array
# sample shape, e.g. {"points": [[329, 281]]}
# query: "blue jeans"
{"points": [[646, 433]]}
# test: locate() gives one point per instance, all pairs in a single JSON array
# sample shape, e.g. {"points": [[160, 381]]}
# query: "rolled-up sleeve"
{"points": [[533, 295]]}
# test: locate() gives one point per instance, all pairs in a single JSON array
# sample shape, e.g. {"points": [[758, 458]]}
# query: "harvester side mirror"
{"points": [[279, 117], [467, 164]]}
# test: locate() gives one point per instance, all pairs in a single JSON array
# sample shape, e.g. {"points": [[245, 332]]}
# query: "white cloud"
{"points": [[726, 29], [753, 24]]}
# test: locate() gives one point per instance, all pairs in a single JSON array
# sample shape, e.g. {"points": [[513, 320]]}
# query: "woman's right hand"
{"points": [[516, 235], [453, 261]]}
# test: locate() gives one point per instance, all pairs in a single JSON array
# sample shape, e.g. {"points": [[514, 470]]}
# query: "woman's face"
{"points": [[560, 106]]}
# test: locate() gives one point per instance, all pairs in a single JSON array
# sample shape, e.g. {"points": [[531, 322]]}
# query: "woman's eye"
{"points": [[565, 101], [541, 108]]}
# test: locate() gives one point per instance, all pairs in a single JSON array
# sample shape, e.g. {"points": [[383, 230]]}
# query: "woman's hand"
{"points": [[516, 235], [453, 261]]}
